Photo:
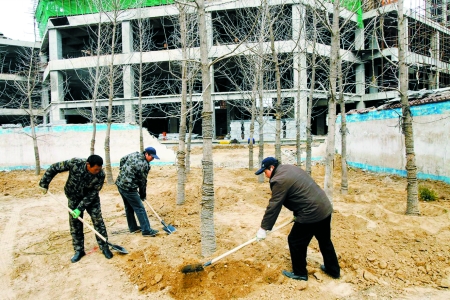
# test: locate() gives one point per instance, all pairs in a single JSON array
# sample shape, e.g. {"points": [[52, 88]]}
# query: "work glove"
{"points": [[75, 213], [43, 190], [261, 234]]}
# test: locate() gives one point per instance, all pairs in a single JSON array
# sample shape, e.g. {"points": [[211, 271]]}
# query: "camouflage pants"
{"points": [[76, 227]]}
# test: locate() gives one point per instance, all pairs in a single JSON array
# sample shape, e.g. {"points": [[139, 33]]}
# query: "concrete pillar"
{"points": [[360, 77], [128, 72], [433, 77], [300, 66], [56, 77], [54, 44], [130, 116], [360, 105], [173, 125], [300, 84], [128, 82], [127, 37], [209, 30], [360, 70], [298, 24], [57, 95], [373, 87]]}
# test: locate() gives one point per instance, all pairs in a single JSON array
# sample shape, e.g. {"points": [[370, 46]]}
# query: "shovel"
{"points": [[167, 227], [115, 247], [201, 267]]}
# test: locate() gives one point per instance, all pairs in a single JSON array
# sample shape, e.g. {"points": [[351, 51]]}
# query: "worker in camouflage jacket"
{"points": [[82, 188], [132, 186]]}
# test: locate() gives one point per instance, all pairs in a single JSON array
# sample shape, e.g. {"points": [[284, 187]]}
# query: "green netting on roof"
{"points": [[61, 8], [356, 7]]}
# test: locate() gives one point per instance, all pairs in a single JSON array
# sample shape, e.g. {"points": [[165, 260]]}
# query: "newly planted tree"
{"points": [[27, 93]]}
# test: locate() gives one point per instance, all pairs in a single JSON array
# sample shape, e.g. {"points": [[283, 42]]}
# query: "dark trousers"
{"points": [[76, 227], [133, 205], [299, 239]]}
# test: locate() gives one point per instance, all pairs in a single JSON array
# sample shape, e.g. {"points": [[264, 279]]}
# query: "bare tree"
{"points": [[412, 207], [27, 94], [208, 240], [143, 42], [334, 61]]}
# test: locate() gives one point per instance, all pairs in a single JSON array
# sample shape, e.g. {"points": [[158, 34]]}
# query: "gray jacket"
{"points": [[133, 173], [298, 192]]}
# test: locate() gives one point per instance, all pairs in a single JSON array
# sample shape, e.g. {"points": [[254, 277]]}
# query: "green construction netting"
{"points": [[61, 8], [356, 7]]}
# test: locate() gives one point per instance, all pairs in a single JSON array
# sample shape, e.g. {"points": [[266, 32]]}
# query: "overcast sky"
{"points": [[16, 18]]}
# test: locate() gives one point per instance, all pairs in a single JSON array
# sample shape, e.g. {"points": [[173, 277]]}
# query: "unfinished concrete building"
{"points": [[13, 103], [368, 47]]}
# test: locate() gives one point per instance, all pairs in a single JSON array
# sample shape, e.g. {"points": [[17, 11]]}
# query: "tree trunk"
{"points": [[298, 138], [251, 146], [334, 60], [278, 82], [208, 237], [310, 101], [260, 86], [30, 88], [141, 85], [412, 204], [189, 138], [96, 84], [181, 153], [108, 169], [344, 179]]}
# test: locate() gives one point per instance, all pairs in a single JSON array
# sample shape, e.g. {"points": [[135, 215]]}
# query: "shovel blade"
{"points": [[118, 248], [192, 268], [168, 228]]}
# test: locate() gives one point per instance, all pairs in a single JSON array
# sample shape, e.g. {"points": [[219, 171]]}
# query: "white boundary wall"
{"points": [[375, 141], [62, 142]]}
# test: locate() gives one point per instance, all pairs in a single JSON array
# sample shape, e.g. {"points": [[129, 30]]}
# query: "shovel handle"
{"points": [[244, 244], [154, 212], [81, 220]]}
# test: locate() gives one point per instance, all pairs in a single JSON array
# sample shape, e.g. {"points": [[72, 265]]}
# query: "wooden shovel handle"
{"points": [[246, 243], [154, 212], [80, 219]]}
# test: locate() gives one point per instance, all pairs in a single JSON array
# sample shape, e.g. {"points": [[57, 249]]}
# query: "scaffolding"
{"points": [[430, 43]]}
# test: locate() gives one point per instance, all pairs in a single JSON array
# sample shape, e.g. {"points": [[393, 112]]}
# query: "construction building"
{"points": [[13, 103], [369, 51]]}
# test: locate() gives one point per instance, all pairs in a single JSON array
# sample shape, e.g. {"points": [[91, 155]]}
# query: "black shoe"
{"points": [[136, 230], [77, 256], [152, 232], [107, 253], [322, 267], [293, 276]]}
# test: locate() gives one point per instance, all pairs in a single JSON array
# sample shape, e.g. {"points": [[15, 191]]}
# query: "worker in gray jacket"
{"points": [[297, 191], [132, 186]]}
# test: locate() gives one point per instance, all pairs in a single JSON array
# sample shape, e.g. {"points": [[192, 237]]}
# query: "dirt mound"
{"points": [[383, 253]]}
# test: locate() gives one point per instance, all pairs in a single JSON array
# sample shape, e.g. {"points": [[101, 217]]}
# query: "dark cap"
{"points": [[152, 152], [266, 163]]}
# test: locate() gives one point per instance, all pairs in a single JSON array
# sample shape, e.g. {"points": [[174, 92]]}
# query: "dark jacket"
{"points": [[82, 188], [133, 173], [298, 192]]}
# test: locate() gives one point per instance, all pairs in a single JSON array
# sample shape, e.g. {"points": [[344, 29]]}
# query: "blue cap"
{"points": [[152, 152], [266, 163]]}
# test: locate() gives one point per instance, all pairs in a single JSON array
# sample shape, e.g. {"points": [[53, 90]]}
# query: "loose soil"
{"points": [[384, 254]]}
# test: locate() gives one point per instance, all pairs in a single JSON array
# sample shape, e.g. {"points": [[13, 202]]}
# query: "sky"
{"points": [[16, 18]]}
